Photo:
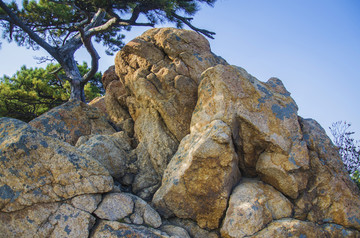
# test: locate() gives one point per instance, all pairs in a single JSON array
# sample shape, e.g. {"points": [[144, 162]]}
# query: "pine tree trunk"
{"points": [[77, 91], [75, 78]]}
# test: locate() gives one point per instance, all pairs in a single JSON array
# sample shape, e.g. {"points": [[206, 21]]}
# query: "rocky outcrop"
{"points": [[71, 120], [216, 151], [159, 73]]}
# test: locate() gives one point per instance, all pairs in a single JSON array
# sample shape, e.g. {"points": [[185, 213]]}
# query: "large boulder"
{"points": [[128, 207], [71, 120], [198, 180], [264, 124], [159, 73], [36, 168], [161, 69], [114, 152], [253, 204]]}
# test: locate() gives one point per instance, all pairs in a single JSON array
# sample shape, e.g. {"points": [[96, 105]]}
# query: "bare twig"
{"points": [[43, 59]]}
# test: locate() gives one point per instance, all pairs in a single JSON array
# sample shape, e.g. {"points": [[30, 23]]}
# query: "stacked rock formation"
{"points": [[189, 147]]}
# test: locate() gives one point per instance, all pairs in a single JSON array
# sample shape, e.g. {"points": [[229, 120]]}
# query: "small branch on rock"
{"points": [[187, 20]]}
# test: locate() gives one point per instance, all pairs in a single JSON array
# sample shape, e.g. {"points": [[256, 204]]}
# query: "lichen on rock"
{"points": [[40, 169]]}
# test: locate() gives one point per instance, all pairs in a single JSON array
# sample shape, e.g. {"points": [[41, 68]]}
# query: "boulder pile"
{"points": [[182, 145]]}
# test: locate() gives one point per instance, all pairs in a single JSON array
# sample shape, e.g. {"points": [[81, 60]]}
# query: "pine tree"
{"points": [[61, 27], [33, 91]]}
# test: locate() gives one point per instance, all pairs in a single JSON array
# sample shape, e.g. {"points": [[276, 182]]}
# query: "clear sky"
{"points": [[312, 46]]}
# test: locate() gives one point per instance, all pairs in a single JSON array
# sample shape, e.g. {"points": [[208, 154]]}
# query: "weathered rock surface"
{"points": [[86, 202], [162, 69], [246, 165], [159, 74], [291, 228], [112, 151], [264, 124], [115, 102], [253, 204], [29, 222], [109, 76], [47, 220], [99, 103], [128, 207], [115, 206], [71, 120], [331, 196], [175, 231], [144, 213], [117, 229], [200, 176], [68, 221], [297, 228], [334, 230], [36, 168], [192, 228]]}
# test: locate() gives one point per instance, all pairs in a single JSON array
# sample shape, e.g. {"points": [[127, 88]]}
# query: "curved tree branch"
{"points": [[75, 42], [35, 37], [94, 56]]}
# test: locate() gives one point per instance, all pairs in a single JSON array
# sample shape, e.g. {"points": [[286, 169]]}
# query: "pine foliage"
{"points": [[33, 91]]}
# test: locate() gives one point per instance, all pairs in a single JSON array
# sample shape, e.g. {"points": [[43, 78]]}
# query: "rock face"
{"points": [[200, 176], [159, 73], [112, 151], [39, 169], [200, 149], [321, 202], [71, 120], [264, 124]]}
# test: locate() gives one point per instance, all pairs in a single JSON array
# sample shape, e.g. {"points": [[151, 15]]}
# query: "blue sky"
{"points": [[312, 46]]}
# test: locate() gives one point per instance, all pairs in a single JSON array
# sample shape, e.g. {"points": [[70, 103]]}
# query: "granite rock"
{"points": [[36, 168], [71, 120]]}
